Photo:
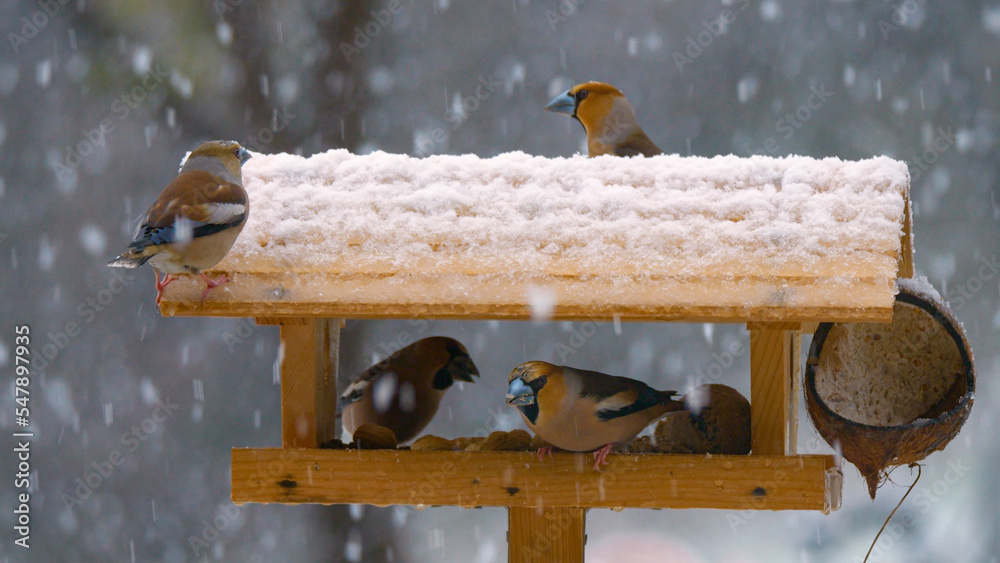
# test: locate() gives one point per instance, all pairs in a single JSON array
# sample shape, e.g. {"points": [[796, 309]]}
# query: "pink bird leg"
{"points": [[545, 450], [160, 285], [211, 284], [600, 455]]}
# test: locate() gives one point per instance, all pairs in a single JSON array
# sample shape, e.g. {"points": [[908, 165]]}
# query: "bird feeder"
{"points": [[777, 244]]}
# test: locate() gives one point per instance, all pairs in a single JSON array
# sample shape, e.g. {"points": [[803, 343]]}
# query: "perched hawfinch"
{"points": [[403, 391], [608, 119], [582, 411], [196, 219]]}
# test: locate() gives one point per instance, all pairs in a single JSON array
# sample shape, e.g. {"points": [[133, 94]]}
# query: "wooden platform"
{"points": [[777, 299], [514, 479]]}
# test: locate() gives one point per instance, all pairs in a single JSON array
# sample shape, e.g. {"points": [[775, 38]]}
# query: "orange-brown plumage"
{"points": [[403, 391], [608, 119], [196, 219], [580, 410]]}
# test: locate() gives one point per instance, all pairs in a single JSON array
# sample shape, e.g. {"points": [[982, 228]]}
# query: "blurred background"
{"points": [[100, 100]]}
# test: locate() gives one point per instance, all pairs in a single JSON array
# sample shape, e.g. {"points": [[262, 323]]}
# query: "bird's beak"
{"points": [[563, 103], [519, 394], [351, 395], [464, 364], [244, 155]]}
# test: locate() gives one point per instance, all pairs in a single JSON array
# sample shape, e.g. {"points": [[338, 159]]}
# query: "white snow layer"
{"points": [[666, 215]]}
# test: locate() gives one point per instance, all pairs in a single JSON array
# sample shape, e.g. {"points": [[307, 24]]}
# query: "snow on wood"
{"points": [[667, 237]]}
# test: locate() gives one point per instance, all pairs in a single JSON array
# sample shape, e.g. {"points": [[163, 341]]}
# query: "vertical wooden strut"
{"points": [[774, 385], [309, 381], [906, 244], [545, 534]]}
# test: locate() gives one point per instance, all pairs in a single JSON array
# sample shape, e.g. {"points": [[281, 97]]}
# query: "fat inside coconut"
{"points": [[888, 374]]}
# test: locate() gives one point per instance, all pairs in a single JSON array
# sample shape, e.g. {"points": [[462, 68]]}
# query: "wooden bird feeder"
{"points": [[777, 244]]}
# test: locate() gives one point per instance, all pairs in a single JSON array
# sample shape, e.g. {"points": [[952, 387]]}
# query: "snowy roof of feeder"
{"points": [[668, 237]]}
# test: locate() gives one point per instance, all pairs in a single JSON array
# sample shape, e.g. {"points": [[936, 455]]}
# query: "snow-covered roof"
{"points": [[667, 237]]}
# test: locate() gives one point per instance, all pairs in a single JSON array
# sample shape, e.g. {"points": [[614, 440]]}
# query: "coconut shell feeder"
{"points": [[891, 394], [718, 423]]}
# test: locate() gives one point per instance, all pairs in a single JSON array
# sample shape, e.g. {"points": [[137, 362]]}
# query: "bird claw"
{"points": [[160, 285], [600, 456], [545, 450], [211, 284]]}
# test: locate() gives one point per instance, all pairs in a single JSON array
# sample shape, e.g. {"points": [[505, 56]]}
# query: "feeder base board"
{"points": [[519, 479]]}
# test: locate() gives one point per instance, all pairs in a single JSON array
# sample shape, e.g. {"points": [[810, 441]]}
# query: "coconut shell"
{"points": [[873, 448], [430, 443], [374, 437], [641, 445], [500, 441], [722, 425]]}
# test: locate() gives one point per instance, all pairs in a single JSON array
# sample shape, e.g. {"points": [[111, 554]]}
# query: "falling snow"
{"points": [[43, 73], [92, 240], [46, 254], [543, 302], [384, 390], [770, 10], [991, 19], [142, 59], [746, 88], [911, 80]]}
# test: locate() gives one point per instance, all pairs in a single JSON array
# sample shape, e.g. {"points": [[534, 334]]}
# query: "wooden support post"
{"points": [[309, 381], [774, 384], [906, 245], [795, 374], [545, 534]]}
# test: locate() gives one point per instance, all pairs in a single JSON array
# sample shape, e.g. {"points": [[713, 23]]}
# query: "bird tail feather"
{"points": [[671, 401], [131, 259]]}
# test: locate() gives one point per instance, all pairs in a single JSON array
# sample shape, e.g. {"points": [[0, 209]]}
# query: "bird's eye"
{"points": [[236, 152], [538, 383], [581, 95]]}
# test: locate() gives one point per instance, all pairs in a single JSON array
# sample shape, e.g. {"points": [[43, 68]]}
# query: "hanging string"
{"points": [[893, 513]]}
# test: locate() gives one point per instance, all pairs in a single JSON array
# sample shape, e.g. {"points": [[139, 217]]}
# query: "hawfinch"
{"points": [[582, 411], [196, 219], [608, 119], [403, 391]]}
